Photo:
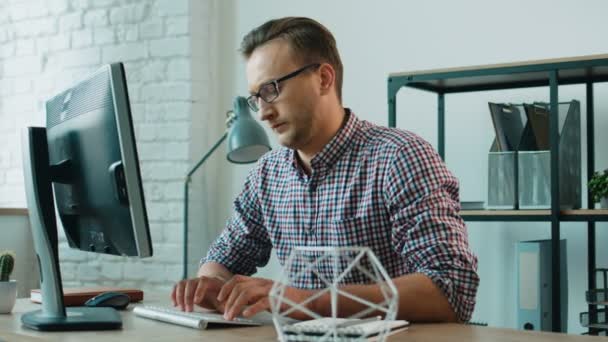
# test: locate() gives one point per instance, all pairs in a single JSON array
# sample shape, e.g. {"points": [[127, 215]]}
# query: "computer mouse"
{"points": [[116, 300]]}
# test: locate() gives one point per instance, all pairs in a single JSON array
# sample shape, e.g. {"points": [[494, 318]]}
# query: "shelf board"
{"points": [[13, 212], [597, 326], [583, 215], [572, 70], [506, 215]]}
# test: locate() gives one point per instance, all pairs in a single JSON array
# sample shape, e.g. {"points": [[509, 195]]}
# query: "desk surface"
{"points": [[139, 329]]}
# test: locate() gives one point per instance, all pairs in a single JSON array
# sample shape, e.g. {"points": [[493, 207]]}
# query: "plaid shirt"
{"points": [[383, 188]]}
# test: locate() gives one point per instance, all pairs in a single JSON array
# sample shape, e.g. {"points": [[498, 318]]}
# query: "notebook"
{"points": [[76, 296], [347, 328]]}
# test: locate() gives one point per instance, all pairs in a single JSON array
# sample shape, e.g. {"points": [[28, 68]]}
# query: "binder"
{"points": [[534, 285], [507, 124], [538, 117]]}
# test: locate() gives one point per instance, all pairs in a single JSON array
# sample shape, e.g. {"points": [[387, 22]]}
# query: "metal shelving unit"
{"points": [[551, 73], [597, 298]]}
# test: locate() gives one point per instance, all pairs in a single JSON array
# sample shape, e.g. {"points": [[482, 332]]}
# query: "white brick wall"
{"points": [[47, 45]]}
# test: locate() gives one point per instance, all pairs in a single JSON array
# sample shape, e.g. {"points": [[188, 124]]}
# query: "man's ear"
{"points": [[328, 78]]}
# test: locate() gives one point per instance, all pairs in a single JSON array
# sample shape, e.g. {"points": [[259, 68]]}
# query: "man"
{"points": [[337, 181]]}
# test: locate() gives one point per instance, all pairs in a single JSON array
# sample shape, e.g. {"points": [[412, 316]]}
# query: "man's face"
{"points": [[292, 114]]}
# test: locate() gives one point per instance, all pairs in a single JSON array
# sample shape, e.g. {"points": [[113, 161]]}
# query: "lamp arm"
{"points": [[186, 188], [207, 155]]}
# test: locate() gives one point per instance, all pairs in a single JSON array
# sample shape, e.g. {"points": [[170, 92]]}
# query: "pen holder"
{"points": [[327, 270]]}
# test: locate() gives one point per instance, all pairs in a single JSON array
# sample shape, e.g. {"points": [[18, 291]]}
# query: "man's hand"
{"points": [[241, 291], [201, 291]]}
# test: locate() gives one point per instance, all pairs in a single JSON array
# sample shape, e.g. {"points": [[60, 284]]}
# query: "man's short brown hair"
{"points": [[311, 42]]}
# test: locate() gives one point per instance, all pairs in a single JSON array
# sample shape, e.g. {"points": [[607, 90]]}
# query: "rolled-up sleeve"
{"points": [[244, 243], [423, 202]]}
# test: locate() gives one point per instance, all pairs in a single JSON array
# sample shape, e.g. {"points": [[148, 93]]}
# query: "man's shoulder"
{"points": [[389, 139], [276, 155], [274, 159]]}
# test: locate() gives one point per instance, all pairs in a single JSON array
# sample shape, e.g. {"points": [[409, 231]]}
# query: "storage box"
{"points": [[534, 167], [534, 171], [527, 171], [502, 186]]}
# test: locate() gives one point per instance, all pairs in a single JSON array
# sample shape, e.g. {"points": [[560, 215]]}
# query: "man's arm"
{"points": [[242, 247], [214, 270], [420, 300], [244, 244], [421, 195]]}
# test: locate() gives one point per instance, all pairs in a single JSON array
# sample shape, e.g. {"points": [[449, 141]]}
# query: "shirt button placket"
{"points": [[311, 208]]}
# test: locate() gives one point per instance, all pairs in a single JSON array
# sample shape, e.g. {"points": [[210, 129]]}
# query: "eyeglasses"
{"points": [[269, 91]]}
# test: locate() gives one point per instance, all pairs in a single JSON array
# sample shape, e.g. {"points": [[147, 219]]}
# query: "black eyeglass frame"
{"points": [[252, 100]]}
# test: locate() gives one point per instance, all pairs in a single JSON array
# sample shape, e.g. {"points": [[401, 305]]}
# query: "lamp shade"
{"points": [[247, 140]]}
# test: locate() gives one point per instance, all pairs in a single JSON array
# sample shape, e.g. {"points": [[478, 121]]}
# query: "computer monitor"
{"points": [[85, 161]]}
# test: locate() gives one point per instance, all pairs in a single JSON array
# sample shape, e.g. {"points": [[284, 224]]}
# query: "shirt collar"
{"points": [[336, 147]]}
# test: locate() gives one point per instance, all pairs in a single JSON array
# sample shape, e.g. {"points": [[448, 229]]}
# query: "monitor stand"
{"points": [[54, 316]]}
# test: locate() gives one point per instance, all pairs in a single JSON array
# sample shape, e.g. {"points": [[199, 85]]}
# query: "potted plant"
{"points": [[8, 288], [598, 187]]}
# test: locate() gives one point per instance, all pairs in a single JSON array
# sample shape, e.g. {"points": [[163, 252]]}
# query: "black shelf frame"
{"points": [[551, 73], [534, 215]]}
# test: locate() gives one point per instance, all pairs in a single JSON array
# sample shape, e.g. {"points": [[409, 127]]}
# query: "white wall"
{"points": [[166, 46], [380, 37]]}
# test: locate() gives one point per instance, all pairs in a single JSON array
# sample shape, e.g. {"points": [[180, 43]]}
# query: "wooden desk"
{"points": [[137, 329]]}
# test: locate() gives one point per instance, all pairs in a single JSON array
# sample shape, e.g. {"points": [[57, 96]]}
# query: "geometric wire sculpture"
{"points": [[328, 269]]}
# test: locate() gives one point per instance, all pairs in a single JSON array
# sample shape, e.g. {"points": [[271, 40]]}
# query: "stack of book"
{"points": [[76, 296]]}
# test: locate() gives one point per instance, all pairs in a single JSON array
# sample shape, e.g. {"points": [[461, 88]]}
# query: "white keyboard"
{"points": [[197, 320]]}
